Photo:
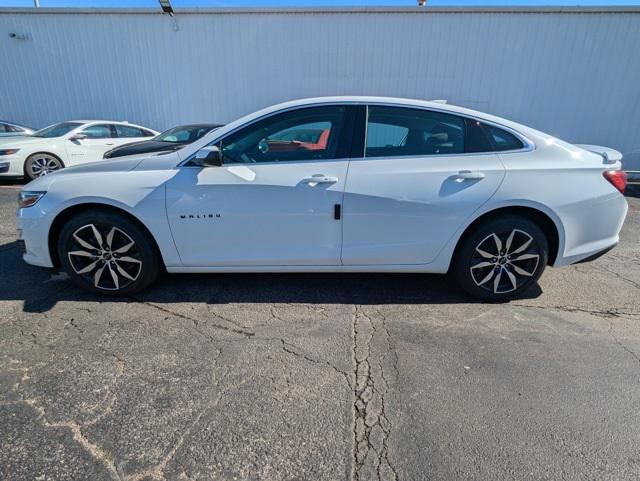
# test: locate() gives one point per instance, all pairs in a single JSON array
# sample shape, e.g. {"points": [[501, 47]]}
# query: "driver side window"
{"points": [[306, 134]]}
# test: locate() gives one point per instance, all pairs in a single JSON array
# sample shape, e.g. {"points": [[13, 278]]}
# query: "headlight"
{"points": [[9, 151], [28, 198]]}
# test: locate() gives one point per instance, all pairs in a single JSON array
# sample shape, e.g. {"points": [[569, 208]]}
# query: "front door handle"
{"points": [[316, 179], [467, 175]]}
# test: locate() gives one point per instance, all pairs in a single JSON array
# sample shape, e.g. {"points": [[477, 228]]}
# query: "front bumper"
{"points": [[33, 232], [11, 166]]}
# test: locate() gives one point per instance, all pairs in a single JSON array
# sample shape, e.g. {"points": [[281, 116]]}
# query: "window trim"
{"points": [[347, 105], [529, 145]]}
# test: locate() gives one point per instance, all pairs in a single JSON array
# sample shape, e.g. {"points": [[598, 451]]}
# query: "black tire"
{"points": [[508, 274], [83, 255], [46, 162]]}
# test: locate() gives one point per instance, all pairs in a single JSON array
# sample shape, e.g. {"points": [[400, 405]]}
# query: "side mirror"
{"points": [[209, 156], [78, 137]]}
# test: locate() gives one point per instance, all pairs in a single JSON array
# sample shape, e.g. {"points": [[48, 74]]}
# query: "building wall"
{"points": [[574, 73]]}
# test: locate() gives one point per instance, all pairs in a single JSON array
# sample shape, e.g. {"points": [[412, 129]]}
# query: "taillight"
{"points": [[618, 179]]}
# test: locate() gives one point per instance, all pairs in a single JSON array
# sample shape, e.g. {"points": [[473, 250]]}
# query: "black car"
{"points": [[168, 141]]}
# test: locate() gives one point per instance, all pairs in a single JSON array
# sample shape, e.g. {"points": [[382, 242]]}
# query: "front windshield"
{"points": [[189, 133], [57, 130]]}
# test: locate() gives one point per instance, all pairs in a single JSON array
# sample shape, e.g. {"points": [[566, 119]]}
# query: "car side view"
{"points": [[397, 185], [65, 144]]}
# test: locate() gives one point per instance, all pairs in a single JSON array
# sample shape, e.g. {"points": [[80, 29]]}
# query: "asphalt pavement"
{"points": [[320, 377]]}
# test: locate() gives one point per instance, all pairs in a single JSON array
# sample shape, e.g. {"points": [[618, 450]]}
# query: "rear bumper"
{"points": [[592, 228]]}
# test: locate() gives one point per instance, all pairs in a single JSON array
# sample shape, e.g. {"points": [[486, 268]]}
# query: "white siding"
{"points": [[573, 73]]}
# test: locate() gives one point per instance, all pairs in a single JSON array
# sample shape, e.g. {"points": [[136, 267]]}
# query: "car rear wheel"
{"points": [[41, 164], [107, 253], [501, 259]]}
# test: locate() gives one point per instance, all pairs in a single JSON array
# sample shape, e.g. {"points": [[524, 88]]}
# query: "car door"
{"points": [[420, 177], [273, 202], [98, 139]]}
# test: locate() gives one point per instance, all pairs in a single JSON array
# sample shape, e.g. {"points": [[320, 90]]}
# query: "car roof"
{"points": [[434, 105]]}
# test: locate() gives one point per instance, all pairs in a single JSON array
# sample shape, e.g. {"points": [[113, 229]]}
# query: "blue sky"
{"points": [[304, 3]]}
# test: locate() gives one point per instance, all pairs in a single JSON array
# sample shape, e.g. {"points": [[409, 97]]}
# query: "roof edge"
{"points": [[309, 10]]}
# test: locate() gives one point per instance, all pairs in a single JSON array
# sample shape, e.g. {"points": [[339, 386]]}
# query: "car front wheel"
{"points": [[501, 259], [41, 164], [107, 253]]}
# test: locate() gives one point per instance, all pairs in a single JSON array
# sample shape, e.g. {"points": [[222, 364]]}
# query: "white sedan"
{"points": [[65, 144], [340, 184]]}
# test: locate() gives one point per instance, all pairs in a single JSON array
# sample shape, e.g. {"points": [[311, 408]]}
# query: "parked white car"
{"points": [[65, 144], [341, 184], [11, 129]]}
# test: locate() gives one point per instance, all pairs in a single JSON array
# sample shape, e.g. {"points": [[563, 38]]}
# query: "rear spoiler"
{"points": [[609, 156]]}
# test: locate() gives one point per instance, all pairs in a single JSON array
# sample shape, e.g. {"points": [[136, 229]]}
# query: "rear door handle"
{"points": [[468, 175], [316, 179]]}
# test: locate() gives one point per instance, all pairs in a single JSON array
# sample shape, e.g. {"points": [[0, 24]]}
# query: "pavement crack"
{"points": [[237, 329], [288, 348], [95, 451], [371, 427], [621, 344]]}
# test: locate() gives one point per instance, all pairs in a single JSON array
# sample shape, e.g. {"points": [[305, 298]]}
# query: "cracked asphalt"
{"points": [[320, 377]]}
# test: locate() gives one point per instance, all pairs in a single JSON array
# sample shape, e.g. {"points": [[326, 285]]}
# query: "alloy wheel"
{"points": [[105, 256], [42, 164], [504, 261]]}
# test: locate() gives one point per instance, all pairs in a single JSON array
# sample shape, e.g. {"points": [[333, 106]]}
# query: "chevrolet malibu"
{"points": [[396, 186]]}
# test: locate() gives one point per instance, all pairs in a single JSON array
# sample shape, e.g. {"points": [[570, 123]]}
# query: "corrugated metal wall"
{"points": [[575, 74]]}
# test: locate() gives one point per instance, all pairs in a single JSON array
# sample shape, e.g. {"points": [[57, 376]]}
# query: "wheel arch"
{"points": [[41, 152], [63, 216], [551, 227]]}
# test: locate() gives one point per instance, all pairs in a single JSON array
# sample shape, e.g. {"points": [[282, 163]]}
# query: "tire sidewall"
{"points": [[146, 247], [28, 159], [464, 255]]}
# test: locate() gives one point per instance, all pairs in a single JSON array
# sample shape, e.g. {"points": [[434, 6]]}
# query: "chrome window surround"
{"points": [[529, 145]]}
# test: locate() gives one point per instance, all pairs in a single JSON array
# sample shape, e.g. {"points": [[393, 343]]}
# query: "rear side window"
{"points": [[128, 131], [503, 140], [400, 131]]}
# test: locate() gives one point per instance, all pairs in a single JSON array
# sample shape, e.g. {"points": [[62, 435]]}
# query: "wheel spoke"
{"points": [[96, 278], [523, 247], [110, 237], [487, 277], [129, 259], [83, 242], [480, 265], [96, 234], [512, 278], [496, 281], [82, 254], [114, 276], [124, 249], [88, 268], [484, 254], [509, 241], [124, 273], [498, 242], [524, 257], [521, 271]]}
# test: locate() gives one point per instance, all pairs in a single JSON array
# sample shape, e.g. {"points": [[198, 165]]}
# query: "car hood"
{"points": [[146, 146], [21, 140]]}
